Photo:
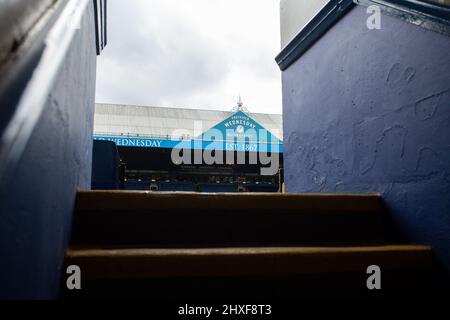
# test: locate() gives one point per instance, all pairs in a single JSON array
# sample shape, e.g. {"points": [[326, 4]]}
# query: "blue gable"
{"points": [[240, 127]]}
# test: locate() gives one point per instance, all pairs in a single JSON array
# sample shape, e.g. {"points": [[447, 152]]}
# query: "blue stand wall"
{"points": [[105, 166], [369, 111], [37, 205]]}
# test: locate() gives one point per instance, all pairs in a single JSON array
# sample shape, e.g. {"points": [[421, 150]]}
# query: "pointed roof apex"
{"points": [[240, 106]]}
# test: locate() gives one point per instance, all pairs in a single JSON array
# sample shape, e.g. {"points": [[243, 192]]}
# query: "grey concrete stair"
{"points": [[231, 262], [219, 247], [130, 219], [221, 274]]}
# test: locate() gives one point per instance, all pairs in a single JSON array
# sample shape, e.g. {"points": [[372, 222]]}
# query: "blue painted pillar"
{"points": [[36, 205]]}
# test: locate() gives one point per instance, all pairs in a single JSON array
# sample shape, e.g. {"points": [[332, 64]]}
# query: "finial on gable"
{"points": [[240, 106]]}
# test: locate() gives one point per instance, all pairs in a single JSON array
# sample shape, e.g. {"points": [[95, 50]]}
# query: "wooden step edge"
{"points": [[99, 264], [147, 200]]}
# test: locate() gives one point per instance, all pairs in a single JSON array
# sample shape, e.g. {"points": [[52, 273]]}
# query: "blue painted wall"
{"points": [[105, 166], [369, 111], [36, 209]]}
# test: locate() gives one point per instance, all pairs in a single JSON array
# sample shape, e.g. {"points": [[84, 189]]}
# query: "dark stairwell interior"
{"points": [[227, 246], [241, 246]]}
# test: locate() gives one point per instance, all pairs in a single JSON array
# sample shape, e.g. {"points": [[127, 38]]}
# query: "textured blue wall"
{"points": [[369, 111], [36, 210]]}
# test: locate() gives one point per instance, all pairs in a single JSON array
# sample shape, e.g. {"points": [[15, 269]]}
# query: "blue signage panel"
{"points": [[192, 144], [237, 133]]}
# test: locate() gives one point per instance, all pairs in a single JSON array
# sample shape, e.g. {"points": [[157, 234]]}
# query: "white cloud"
{"points": [[192, 53]]}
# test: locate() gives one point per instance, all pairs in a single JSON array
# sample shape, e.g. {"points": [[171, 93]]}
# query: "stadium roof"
{"points": [[142, 121]]}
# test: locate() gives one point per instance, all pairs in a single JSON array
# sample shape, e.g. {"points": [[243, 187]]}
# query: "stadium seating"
{"points": [[218, 187], [177, 186], [262, 187], [137, 185]]}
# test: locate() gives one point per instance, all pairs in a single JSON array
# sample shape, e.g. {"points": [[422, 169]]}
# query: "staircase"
{"points": [[239, 246]]}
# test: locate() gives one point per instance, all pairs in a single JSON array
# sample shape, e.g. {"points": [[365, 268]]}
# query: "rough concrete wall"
{"points": [[369, 111], [37, 208]]}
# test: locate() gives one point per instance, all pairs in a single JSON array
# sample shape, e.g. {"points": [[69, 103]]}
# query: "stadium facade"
{"points": [[175, 149]]}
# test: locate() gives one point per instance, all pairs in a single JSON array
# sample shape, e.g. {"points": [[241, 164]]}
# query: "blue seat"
{"points": [[262, 187], [136, 185], [176, 186], [218, 187]]}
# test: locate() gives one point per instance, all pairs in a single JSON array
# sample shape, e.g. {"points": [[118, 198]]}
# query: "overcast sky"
{"points": [[192, 53]]}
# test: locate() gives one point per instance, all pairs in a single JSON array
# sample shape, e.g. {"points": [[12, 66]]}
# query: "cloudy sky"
{"points": [[192, 53]]}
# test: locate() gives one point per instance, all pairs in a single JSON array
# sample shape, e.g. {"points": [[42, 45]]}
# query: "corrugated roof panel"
{"points": [[116, 120], [157, 121], [101, 119], [102, 129], [140, 121]]}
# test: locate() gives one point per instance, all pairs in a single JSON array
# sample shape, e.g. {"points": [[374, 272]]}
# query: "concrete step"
{"points": [[228, 262], [271, 272], [155, 219]]}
